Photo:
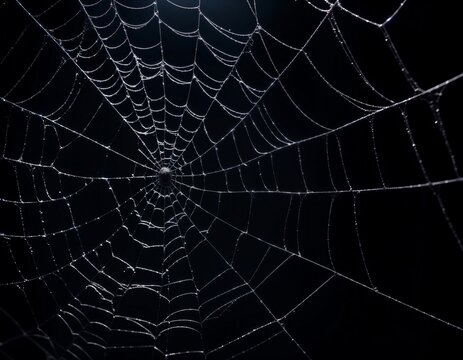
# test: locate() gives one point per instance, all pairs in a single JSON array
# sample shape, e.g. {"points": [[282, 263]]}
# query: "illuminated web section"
{"points": [[204, 178]]}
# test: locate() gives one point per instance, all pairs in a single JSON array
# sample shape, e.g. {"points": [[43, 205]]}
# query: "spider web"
{"points": [[310, 204]]}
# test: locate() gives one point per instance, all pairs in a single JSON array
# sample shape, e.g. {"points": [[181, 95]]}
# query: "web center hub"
{"points": [[165, 176]]}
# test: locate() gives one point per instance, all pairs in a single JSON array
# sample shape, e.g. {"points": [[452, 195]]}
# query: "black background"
{"points": [[326, 195]]}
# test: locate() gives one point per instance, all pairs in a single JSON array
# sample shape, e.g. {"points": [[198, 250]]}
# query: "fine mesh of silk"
{"points": [[216, 179]]}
